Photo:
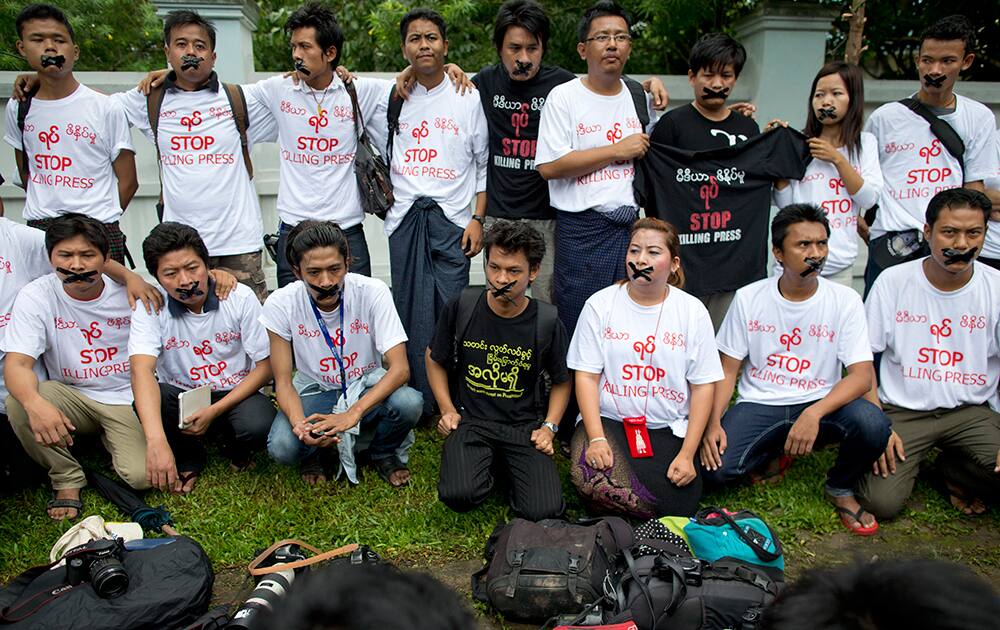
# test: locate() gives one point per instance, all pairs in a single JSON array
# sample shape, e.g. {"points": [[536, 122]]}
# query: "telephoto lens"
{"points": [[271, 587]]}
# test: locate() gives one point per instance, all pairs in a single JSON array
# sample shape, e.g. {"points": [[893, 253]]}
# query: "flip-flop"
{"points": [[775, 476], [955, 493], [184, 478], [314, 467], [870, 530], [75, 504], [388, 465]]}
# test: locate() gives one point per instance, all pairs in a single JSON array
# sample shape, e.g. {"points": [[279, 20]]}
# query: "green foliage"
{"points": [[112, 34]]}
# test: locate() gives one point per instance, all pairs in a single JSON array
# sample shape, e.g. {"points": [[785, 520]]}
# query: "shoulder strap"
{"points": [[717, 516], [238, 105], [545, 325], [638, 100], [22, 115], [392, 115], [467, 302], [940, 128], [359, 119], [298, 564], [154, 102]]}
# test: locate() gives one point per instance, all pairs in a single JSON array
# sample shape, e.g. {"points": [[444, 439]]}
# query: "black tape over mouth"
{"points": [[826, 112], [952, 256], [521, 68], [187, 294], [934, 82], [322, 293], [191, 62], [815, 265], [87, 276], [502, 292], [300, 67], [53, 60], [708, 93], [645, 273]]}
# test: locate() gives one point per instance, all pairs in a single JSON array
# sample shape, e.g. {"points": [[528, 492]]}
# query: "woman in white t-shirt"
{"points": [[844, 177], [646, 363]]}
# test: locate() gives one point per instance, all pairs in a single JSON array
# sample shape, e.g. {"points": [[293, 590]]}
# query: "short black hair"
{"points": [[715, 51], [365, 596], [171, 236], [600, 9], [792, 214], [527, 14], [321, 18], [73, 224], [515, 236], [183, 17], [952, 28], [422, 13], [42, 12], [311, 234], [895, 593], [954, 199]]}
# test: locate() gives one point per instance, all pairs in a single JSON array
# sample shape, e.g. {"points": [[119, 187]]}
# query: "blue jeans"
{"points": [[391, 421], [360, 258], [756, 434]]}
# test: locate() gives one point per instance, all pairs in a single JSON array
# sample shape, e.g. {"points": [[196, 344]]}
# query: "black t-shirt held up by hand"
{"points": [[685, 128], [498, 361], [514, 189]]}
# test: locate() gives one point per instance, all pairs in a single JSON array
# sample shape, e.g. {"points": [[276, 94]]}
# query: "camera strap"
{"points": [[22, 610], [321, 556]]}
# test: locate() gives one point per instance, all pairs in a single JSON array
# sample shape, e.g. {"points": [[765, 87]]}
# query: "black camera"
{"points": [[100, 562], [271, 246]]}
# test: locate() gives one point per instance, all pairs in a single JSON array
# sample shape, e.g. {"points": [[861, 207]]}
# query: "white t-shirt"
{"points": [[371, 322], [83, 344], [205, 182], [441, 152], [22, 259], [916, 166], [646, 368], [576, 119], [218, 346], [940, 350], [822, 186], [317, 151], [991, 247], [793, 350], [71, 145]]}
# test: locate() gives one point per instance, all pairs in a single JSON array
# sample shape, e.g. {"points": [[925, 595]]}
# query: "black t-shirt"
{"points": [[514, 189], [720, 202], [686, 128], [498, 362]]}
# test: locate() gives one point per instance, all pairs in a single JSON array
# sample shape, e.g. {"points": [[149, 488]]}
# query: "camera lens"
{"points": [[109, 577]]}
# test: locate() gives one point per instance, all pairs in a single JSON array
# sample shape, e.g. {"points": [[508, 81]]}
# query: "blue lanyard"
{"points": [[338, 356]]}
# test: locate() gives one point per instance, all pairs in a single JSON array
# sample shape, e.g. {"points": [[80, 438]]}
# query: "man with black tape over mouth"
{"points": [[936, 322], [490, 361], [790, 336], [933, 140]]}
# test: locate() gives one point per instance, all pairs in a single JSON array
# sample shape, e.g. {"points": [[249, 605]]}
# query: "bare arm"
{"points": [[437, 378], [161, 468], [802, 436], [49, 425], [723, 392], [558, 401], [584, 161], [281, 365], [128, 183], [135, 287], [259, 376]]}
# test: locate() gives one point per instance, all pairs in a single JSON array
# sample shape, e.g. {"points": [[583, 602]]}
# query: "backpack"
{"points": [[638, 100], [535, 571], [392, 116], [43, 598], [237, 104], [545, 325], [714, 533]]}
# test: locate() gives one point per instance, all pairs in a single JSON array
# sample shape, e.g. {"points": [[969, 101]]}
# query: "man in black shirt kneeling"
{"points": [[490, 361]]}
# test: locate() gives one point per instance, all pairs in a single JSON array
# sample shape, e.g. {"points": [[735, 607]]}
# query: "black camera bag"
{"points": [[170, 586], [535, 571], [670, 589]]}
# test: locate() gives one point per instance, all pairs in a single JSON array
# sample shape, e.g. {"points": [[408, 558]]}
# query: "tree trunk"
{"points": [[855, 36]]}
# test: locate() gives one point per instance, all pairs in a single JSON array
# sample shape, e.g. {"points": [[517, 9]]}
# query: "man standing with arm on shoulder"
{"points": [[588, 137], [73, 147], [197, 340], [916, 161], [936, 322]]}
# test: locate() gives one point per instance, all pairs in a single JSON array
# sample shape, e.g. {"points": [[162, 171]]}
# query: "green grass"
{"points": [[234, 514]]}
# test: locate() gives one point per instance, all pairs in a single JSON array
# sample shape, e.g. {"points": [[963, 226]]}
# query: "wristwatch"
{"points": [[551, 427], [482, 220]]}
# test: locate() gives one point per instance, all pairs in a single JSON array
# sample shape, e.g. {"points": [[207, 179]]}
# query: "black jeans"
{"points": [[243, 429]]}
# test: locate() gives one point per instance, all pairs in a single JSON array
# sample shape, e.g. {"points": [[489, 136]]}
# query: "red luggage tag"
{"points": [[638, 437]]}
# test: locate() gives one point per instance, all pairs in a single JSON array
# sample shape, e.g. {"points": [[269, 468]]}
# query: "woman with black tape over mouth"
{"points": [[646, 366]]}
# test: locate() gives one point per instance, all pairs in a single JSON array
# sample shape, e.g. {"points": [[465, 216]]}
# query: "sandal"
{"points": [[861, 530], [311, 470], [75, 504], [964, 502], [184, 478], [774, 473], [389, 465]]}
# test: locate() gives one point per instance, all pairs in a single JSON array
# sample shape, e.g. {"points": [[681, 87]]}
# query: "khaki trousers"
{"points": [[121, 433]]}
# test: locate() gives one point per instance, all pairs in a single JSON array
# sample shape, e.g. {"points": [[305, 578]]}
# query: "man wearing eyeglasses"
{"points": [[590, 133]]}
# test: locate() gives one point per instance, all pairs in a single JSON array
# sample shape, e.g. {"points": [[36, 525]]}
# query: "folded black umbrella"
{"points": [[128, 501]]}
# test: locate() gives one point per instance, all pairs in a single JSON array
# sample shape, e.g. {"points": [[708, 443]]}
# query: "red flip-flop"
{"points": [[773, 477], [862, 530]]}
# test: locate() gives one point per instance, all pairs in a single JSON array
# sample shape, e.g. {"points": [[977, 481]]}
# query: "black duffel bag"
{"points": [[535, 571], [169, 586], [672, 590]]}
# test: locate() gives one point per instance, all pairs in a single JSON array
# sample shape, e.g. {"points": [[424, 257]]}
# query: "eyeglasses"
{"points": [[604, 38]]}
